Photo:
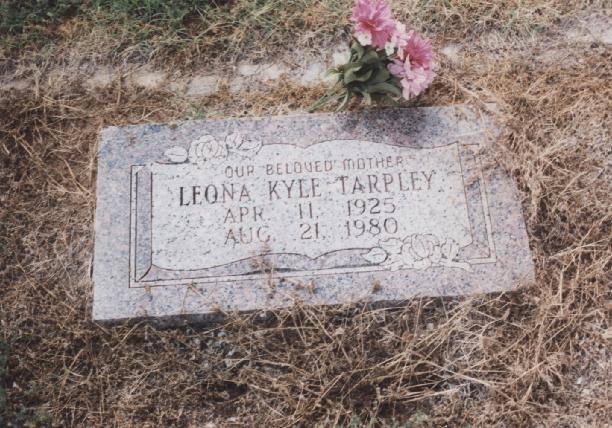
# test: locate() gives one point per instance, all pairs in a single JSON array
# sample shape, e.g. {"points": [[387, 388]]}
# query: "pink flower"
{"points": [[417, 49], [414, 63], [399, 37], [373, 22]]}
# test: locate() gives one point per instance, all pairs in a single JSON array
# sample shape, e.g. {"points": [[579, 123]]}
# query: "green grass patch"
{"points": [[186, 30], [17, 15], [21, 416], [31, 25], [191, 33]]}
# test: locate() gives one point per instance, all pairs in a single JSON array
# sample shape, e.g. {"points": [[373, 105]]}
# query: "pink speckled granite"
{"points": [[241, 214]]}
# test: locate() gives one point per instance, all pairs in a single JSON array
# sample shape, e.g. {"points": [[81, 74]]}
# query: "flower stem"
{"points": [[334, 94]]}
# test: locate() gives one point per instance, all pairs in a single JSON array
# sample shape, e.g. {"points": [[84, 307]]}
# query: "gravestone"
{"points": [[260, 213]]}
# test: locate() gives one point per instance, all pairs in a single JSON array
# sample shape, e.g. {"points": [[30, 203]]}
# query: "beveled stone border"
{"points": [[136, 281]]}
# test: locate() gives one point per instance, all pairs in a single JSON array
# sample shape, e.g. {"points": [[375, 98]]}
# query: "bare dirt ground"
{"points": [[540, 356]]}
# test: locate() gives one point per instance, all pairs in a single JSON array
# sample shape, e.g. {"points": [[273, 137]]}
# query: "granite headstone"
{"points": [[258, 213]]}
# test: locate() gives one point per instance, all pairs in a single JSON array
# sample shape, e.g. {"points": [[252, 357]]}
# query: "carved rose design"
{"points": [[207, 148], [376, 255], [418, 251], [450, 249], [176, 154], [247, 148], [233, 141], [422, 246]]}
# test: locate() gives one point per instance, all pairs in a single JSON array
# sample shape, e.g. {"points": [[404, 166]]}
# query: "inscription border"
{"points": [[135, 282]]}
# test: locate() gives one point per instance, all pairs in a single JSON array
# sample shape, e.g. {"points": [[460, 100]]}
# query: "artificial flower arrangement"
{"points": [[387, 60]]}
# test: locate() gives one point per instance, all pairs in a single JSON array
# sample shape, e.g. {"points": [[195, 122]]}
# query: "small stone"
{"points": [[273, 71], [341, 56], [203, 85], [451, 52], [150, 79], [102, 77], [315, 73], [247, 69], [238, 84]]}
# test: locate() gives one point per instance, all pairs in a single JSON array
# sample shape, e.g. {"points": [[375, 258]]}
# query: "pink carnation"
{"points": [[373, 22], [417, 49], [400, 37], [414, 63]]}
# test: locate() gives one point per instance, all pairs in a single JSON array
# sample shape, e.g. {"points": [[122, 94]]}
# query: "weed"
{"points": [[17, 15]]}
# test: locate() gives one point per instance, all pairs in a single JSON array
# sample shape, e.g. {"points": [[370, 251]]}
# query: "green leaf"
{"points": [[352, 76], [370, 57], [345, 101], [384, 88], [325, 99], [357, 49], [381, 75], [386, 98], [349, 65], [332, 71]]}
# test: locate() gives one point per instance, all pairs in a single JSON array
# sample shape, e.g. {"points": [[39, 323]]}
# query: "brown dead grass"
{"points": [[536, 357], [266, 30]]}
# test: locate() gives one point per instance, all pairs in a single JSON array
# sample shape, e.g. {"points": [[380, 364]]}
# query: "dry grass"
{"points": [[220, 33], [536, 357]]}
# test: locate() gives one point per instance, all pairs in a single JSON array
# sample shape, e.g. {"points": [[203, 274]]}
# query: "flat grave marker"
{"points": [[258, 213]]}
